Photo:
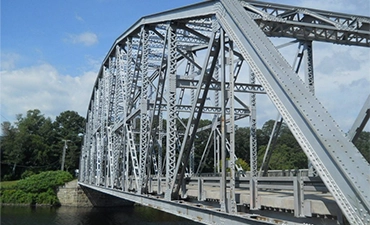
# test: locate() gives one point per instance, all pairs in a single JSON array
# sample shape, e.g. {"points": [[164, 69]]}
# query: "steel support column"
{"points": [[254, 201], [144, 121], [223, 199], [171, 138], [230, 63]]}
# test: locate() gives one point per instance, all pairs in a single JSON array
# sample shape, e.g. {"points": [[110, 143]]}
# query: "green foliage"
{"points": [[44, 181], [8, 184], [240, 162], [363, 144], [16, 196], [34, 143], [48, 198], [27, 173], [35, 189], [286, 152], [243, 164]]}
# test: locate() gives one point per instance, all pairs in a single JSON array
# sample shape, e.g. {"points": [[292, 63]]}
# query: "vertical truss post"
{"points": [[192, 153], [126, 161], [254, 202], [82, 164], [119, 148], [98, 158], [129, 81], [126, 99], [92, 160], [232, 200], [191, 161], [112, 85], [223, 200], [216, 152], [160, 137], [144, 132], [104, 124], [88, 145], [309, 80], [171, 112], [308, 59], [110, 158]]}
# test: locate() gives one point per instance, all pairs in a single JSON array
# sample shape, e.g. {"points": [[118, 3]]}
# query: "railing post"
{"points": [[298, 186]]}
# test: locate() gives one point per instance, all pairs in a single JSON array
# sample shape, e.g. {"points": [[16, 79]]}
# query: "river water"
{"points": [[135, 215]]}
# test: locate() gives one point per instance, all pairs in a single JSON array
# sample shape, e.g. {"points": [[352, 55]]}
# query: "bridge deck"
{"points": [[271, 197], [277, 205]]}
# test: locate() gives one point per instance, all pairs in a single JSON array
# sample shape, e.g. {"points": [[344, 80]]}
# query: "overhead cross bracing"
{"points": [[173, 69]]}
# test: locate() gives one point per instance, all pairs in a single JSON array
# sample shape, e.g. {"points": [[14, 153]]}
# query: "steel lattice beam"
{"points": [[188, 63]]}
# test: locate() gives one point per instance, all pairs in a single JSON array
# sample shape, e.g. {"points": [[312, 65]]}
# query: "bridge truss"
{"points": [[209, 60]]}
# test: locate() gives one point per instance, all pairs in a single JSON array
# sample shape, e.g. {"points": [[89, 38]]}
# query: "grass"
{"points": [[8, 184]]}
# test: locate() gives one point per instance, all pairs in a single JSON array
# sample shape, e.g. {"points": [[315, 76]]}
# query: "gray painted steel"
{"points": [[187, 63]]}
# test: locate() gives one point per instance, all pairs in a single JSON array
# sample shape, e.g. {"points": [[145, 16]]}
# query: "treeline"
{"points": [[35, 143], [286, 152]]}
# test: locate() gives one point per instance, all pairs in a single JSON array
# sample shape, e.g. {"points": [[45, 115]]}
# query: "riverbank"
{"points": [[69, 194], [35, 190]]}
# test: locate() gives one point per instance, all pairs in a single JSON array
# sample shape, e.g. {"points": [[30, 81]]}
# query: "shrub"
{"points": [[35, 189], [17, 197], [43, 181], [26, 174], [48, 198]]}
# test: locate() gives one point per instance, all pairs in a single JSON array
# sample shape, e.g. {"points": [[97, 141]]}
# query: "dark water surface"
{"points": [[135, 215]]}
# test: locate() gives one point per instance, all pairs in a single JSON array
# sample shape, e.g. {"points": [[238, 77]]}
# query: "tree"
{"points": [[363, 144], [69, 126], [8, 149], [35, 143], [242, 142], [286, 153], [25, 145]]}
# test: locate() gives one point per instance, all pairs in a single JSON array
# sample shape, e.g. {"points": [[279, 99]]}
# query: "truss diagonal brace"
{"points": [[192, 126], [340, 165]]}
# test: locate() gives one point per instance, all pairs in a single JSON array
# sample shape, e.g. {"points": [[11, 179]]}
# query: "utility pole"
{"points": [[64, 154]]}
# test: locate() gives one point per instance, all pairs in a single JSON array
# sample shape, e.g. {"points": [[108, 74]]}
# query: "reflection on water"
{"points": [[138, 215]]}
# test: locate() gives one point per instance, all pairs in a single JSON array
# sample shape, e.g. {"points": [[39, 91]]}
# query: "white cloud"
{"points": [[8, 60], [43, 87], [79, 18], [356, 7], [86, 38], [342, 81]]}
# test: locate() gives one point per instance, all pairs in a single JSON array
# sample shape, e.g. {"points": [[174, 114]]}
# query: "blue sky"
{"points": [[51, 52]]}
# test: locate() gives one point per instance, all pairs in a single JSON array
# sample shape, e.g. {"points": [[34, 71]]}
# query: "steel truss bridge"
{"points": [[210, 60]]}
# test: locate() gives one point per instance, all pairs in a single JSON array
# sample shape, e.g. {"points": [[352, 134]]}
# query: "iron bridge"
{"points": [[171, 70]]}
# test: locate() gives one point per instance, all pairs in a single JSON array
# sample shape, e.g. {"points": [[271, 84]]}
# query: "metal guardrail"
{"points": [[295, 181]]}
